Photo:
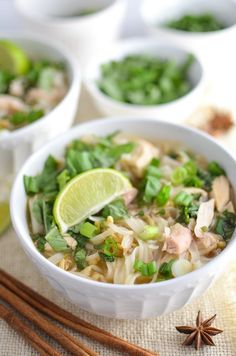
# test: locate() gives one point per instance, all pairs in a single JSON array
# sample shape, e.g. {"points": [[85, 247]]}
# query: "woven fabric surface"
{"points": [[158, 334]]}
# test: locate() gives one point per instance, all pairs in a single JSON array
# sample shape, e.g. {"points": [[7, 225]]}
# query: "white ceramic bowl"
{"points": [[175, 111], [212, 47], [16, 146], [124, 301], [85, 35]]}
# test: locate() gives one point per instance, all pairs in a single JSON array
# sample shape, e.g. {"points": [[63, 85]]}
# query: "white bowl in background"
{"points": [[214, 48], [85, 35], [113, 300], [17, 145], [176, 111]]}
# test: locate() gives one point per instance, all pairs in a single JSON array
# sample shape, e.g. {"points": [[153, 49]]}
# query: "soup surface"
{"points": [[175, 215]]}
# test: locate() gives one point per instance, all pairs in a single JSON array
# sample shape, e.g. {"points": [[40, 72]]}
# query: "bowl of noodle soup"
{"points": [[150, 250]]}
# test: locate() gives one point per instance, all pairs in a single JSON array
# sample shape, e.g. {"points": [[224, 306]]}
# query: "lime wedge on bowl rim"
{"points": [[87, 194], [4, 216], [13, 58]]}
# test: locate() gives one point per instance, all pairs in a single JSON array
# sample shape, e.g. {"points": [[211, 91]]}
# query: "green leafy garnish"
{"points": [[146, 269], [116, 209], [204, 22], [165, 269], [215, 169], [55, 240], [145, 80], [225, 225], [80, 258], [183, 199], [163, 195]]}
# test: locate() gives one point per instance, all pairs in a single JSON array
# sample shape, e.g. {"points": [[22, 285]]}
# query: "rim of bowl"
{"points": [[74, 83], [177, 32], [24, 236], [62, 20], [123, 45]]}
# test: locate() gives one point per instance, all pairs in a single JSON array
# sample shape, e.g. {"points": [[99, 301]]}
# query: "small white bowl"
{"points": [[113, 300], [175, 111], [16, 146], [85, 35], [212, 47]]}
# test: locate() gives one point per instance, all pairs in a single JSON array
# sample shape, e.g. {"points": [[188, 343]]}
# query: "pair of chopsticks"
{"points": [[32, 305]]}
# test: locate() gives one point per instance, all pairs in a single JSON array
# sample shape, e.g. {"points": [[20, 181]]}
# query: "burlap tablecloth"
{"points": [[157, 334]]}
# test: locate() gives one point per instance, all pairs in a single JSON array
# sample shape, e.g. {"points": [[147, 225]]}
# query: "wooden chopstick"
{"points": [[74, 346], [68, 319], [22, 328]]}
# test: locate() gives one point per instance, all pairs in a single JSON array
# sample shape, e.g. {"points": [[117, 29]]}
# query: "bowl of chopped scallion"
{"points": [[146, 77]]}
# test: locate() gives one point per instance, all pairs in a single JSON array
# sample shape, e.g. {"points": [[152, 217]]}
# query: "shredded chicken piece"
{"points": [[221, 192], [17, 87], [130, 195], [71, 242], [204, 217], [178, 240], [208, 243], [9, 105], [45, 99], [137, 161]]}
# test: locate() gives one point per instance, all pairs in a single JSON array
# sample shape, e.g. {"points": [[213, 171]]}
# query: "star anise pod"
{"points": [[201, 333]]}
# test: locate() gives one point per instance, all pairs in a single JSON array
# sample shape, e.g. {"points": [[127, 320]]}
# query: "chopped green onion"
{"points": [[179, 175], [166, 269], [183, 199], [146, 269], [152, 268], [191, 168], [88, 230], [149, 233], [80, 258], [110, 247], [163, 195], [193, 181]]}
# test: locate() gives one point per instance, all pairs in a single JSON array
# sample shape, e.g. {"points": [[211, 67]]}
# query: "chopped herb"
{"points": [[63, 178], [110, 247], [80, 258], [203, 22], [152, 187], [163, 195], [55, 240], [215, 169], [183, 199], [116, 209], [146, 269], [165, 269], [145, 80], [187, 212], [106, 257], [225, 225]]}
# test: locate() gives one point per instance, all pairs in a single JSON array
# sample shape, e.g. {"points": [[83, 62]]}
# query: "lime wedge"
{"points": [[13, 58], [4, 216], [86, 194]]}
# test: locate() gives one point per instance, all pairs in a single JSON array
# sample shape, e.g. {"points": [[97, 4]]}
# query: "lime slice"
{"points": [[4, 216], [86, 194], [13, 58]]}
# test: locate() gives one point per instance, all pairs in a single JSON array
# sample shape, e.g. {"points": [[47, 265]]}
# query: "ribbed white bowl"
{"points": [[124, 301]]}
